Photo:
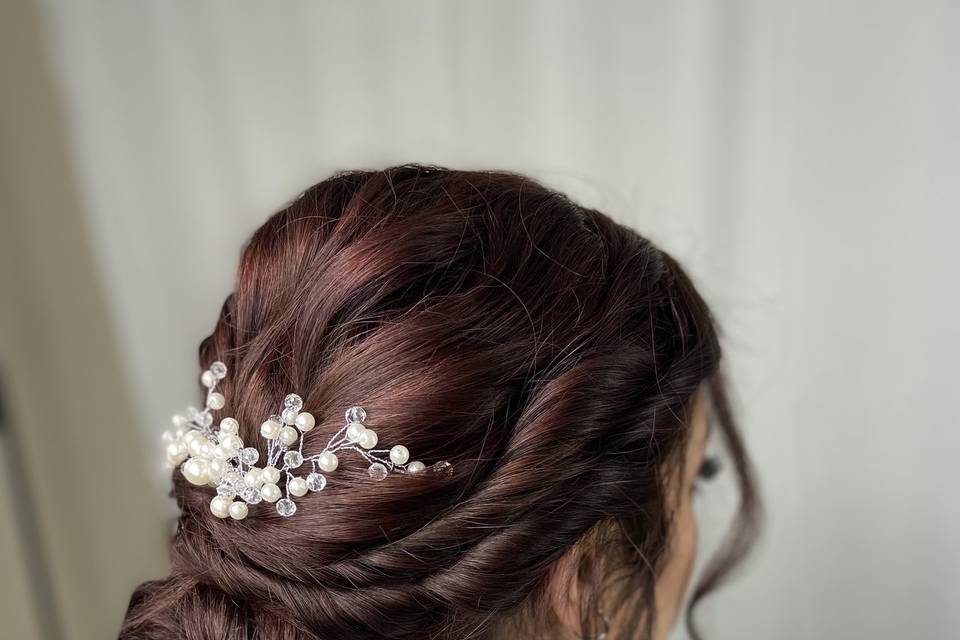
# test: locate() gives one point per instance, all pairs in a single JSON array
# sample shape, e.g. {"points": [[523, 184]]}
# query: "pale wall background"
{"points": [[801, 157]]}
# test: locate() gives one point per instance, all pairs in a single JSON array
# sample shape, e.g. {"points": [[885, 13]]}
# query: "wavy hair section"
{"points": [[549, 353]]}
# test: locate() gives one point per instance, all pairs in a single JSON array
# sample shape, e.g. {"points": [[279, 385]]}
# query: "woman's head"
{"points": [[560, 361]]}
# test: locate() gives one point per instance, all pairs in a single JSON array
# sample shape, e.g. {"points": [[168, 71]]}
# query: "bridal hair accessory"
{"points": [[218, 458]]}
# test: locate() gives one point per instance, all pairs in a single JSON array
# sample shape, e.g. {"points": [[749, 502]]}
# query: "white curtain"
{"points": [[801, 158]]}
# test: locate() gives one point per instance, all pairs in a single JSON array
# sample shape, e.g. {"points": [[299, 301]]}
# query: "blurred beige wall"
{"points": [[82, 522]]}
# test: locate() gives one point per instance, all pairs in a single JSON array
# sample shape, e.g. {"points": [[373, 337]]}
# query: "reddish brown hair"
{"points": [[549, 353]]}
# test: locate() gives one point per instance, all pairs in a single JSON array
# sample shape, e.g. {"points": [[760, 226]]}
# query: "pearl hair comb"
{"points": [[219, 458]]}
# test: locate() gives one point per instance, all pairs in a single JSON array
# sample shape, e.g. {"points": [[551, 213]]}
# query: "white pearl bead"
{"points": [[328, 461], [219, 453], [220, 507], [176, 452], [180, 422], [229, 426], [271, 474], [206, 449], [270, 429], [216, 401], [207, 379], [288, 435], [399, 454], [305, 421], [253, 477], [196, 471], [216, 468], [195, 445], [354, 431], [191, 435], [270, 492], [368, 439], [297, 486], [416, 467], [238, 510], [289, 415], [231, 443]]}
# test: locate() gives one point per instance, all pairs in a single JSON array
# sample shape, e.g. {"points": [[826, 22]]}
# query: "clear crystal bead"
{"points": [[289, 415], [356, 414], [249, 455], [251, 495], [293, 459], [276, 419], [204, 418], [226, 490], [286, 507], [219, 369], [316, 481], [377, 471], [442, 467], [293, 401]]}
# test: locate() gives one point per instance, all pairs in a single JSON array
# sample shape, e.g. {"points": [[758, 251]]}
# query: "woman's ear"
{"points": [[574, 587], [565, 590]]}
